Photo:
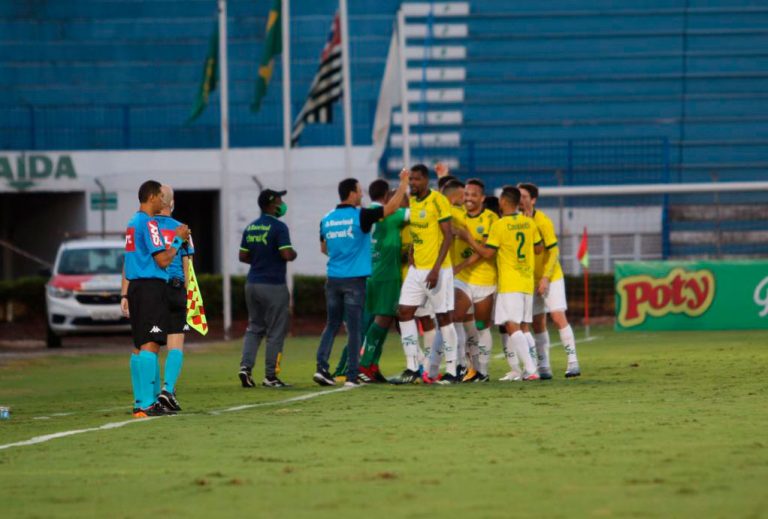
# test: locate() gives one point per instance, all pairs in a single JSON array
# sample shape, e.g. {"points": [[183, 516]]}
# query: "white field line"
{"points": [[554, 344], [117, 425]]}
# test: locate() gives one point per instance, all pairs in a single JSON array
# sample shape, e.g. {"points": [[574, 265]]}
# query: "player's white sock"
{"points": [[410, 339], [461, 342], [473, 338], [531, 347], [569, 344], [509, 353], [521, 348], [429, 348], [542, 348], [449, 345], [484, 347]]}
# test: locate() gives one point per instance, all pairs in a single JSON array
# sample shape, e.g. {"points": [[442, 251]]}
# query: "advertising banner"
{"points": [[692, 295]]}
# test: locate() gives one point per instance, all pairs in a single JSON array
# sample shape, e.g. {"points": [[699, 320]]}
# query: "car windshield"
{"points": [[91, 261]]}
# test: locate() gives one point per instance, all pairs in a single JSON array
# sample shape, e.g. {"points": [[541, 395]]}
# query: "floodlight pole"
{"points": [[404, 112], [285, 21], [346, 78], [224, 193]]}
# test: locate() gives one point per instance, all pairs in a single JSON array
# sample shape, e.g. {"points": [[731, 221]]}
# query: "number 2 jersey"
{"points": [[514, 236], [142, 242]]}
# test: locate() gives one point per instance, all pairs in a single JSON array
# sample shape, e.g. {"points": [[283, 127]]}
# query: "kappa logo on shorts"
{"points": [[186, 328], [155, 329]]}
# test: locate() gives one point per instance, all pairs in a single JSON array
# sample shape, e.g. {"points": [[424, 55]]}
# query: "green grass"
{"points": [[667, 424]]}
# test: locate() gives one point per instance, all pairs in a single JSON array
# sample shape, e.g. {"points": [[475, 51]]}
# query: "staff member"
{"points": [[178, 274], [266, 247], [345, 237], [144, 294]]}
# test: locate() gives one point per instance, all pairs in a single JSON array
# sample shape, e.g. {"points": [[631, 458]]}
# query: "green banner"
{"points": [[692, 295], [273, 45], [210, 76]]}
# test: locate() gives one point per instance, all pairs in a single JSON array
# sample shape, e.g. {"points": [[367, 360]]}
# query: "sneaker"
{"points": [[245, 378], [482, 378], [532, 376], [425, 378], [406, 377], [273, 382], [511, 376], [168, 399], [471, 375], [350, 383], [461, 371], [573, 371], [545, 373], [323, 378], [364, 379], [139, 413], [448, 379], [377, 375], [158, 409]]}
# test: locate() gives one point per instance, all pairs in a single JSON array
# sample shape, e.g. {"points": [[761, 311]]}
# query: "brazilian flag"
{"points": [[273, 45], [210, 76]]}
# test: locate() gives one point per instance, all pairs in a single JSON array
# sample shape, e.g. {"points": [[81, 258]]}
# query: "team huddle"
{"points": [[452, 262]]}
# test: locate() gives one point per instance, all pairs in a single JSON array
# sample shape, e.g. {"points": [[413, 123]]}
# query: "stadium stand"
{"points": [[571, 92]]}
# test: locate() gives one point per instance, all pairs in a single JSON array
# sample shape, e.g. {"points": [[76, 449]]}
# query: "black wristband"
{"points": [[123, 296]]}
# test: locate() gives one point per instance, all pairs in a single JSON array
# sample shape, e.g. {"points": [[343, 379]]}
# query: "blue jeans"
{"points": [[345, 299]]}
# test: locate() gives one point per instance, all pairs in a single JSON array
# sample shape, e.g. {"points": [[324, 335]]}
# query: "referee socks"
{"points": [[135, 380], [147, 371], [173, 363]]}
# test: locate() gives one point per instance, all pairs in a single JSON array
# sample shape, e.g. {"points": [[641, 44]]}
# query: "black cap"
{"points": [[268, 195]]}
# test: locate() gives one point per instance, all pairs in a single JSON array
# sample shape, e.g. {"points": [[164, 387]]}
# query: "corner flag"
{"points": [[195, 311], [583, 254]]}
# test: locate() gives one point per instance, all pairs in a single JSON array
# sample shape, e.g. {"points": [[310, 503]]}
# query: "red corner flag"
{"points": [[583, 254]]}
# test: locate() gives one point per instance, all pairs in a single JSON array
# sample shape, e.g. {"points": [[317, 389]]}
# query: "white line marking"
{"points": [[554, 344], [117, 425]]}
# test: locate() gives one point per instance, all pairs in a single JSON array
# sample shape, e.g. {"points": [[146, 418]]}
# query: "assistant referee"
{"points": [[144, 294]]}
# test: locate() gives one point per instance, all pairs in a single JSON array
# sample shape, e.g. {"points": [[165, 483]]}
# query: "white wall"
{"points": [[312, 193]]}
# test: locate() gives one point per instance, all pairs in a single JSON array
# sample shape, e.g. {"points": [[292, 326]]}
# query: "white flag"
{"points": [[389, 97]]}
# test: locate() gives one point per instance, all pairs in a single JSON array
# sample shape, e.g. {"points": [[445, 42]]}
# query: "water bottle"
{"points": [[5, 413]]}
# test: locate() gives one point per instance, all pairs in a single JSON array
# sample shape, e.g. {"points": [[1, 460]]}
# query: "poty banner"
{"points": [[692, 295]]}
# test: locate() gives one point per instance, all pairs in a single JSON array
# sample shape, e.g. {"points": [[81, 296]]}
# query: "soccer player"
{"points": [[511, 240], [430, 277], [144, 295], [475, 280], [550, 290], [266, 247], [345, 235], [178, 274]]}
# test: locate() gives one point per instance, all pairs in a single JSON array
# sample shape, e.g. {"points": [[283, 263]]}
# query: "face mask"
{"points": [[281, 210]]}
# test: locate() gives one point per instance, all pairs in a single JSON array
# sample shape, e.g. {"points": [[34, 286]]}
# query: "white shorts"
{"points": [[425, 310], [554, 301], [416, 293], [475, 293], [513, 307]]}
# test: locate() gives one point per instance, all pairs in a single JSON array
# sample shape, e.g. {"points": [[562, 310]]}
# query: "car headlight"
{"points": [[60, 293]]}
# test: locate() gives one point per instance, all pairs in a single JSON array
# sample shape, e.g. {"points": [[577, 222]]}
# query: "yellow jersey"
{"points": [[483, 272], [548, 260], [459, 247], [513, 236], [426, 216], [405, 239]]}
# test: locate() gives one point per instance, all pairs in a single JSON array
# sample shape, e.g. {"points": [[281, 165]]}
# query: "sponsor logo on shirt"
{"points": [[154, 232], [130, 239]]}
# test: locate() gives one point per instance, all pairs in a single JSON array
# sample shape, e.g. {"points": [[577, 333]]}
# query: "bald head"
{"points": [[166, 195]]}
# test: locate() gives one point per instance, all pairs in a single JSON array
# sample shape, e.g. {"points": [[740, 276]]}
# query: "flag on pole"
{"points": [[195, 310], [583, 254], [210, 76], [326, 86], [389, 97], [273, 45]]}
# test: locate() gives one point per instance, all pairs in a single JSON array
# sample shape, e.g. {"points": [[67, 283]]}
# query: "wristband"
{"points": [[124, 296], [177, 243]]}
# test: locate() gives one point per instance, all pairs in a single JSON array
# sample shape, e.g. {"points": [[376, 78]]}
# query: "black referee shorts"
{"points": [[148, 306], [177, 308]]}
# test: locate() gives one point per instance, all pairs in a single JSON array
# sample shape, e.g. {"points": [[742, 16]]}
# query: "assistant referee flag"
{"points": [[195, 311]]}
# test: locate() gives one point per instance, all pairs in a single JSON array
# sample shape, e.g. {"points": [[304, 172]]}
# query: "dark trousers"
{"points": [[345, 299], [267, 317]]}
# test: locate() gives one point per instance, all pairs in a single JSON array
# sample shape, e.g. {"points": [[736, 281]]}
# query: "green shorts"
{"points": [[382, 297]]}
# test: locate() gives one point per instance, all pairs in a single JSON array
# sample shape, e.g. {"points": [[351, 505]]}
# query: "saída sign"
{"points": [[27, 169], [697, 295]]}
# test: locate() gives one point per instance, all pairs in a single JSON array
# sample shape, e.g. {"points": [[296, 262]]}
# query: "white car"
{"points": [[83, 294]]}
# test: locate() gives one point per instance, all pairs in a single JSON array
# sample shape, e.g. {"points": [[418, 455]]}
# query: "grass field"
{"points": [[667, 424]]}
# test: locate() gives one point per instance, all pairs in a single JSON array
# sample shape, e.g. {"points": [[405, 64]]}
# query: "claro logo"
{"points": [[680, 292]]}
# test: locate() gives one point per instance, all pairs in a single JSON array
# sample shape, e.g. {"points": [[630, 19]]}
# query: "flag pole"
{"points": [[285, 20], [224, 193], [346, 81], [406, 123], [586, 301]]}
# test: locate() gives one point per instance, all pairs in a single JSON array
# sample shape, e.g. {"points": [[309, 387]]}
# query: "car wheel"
{"points": [[51, 339]]}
